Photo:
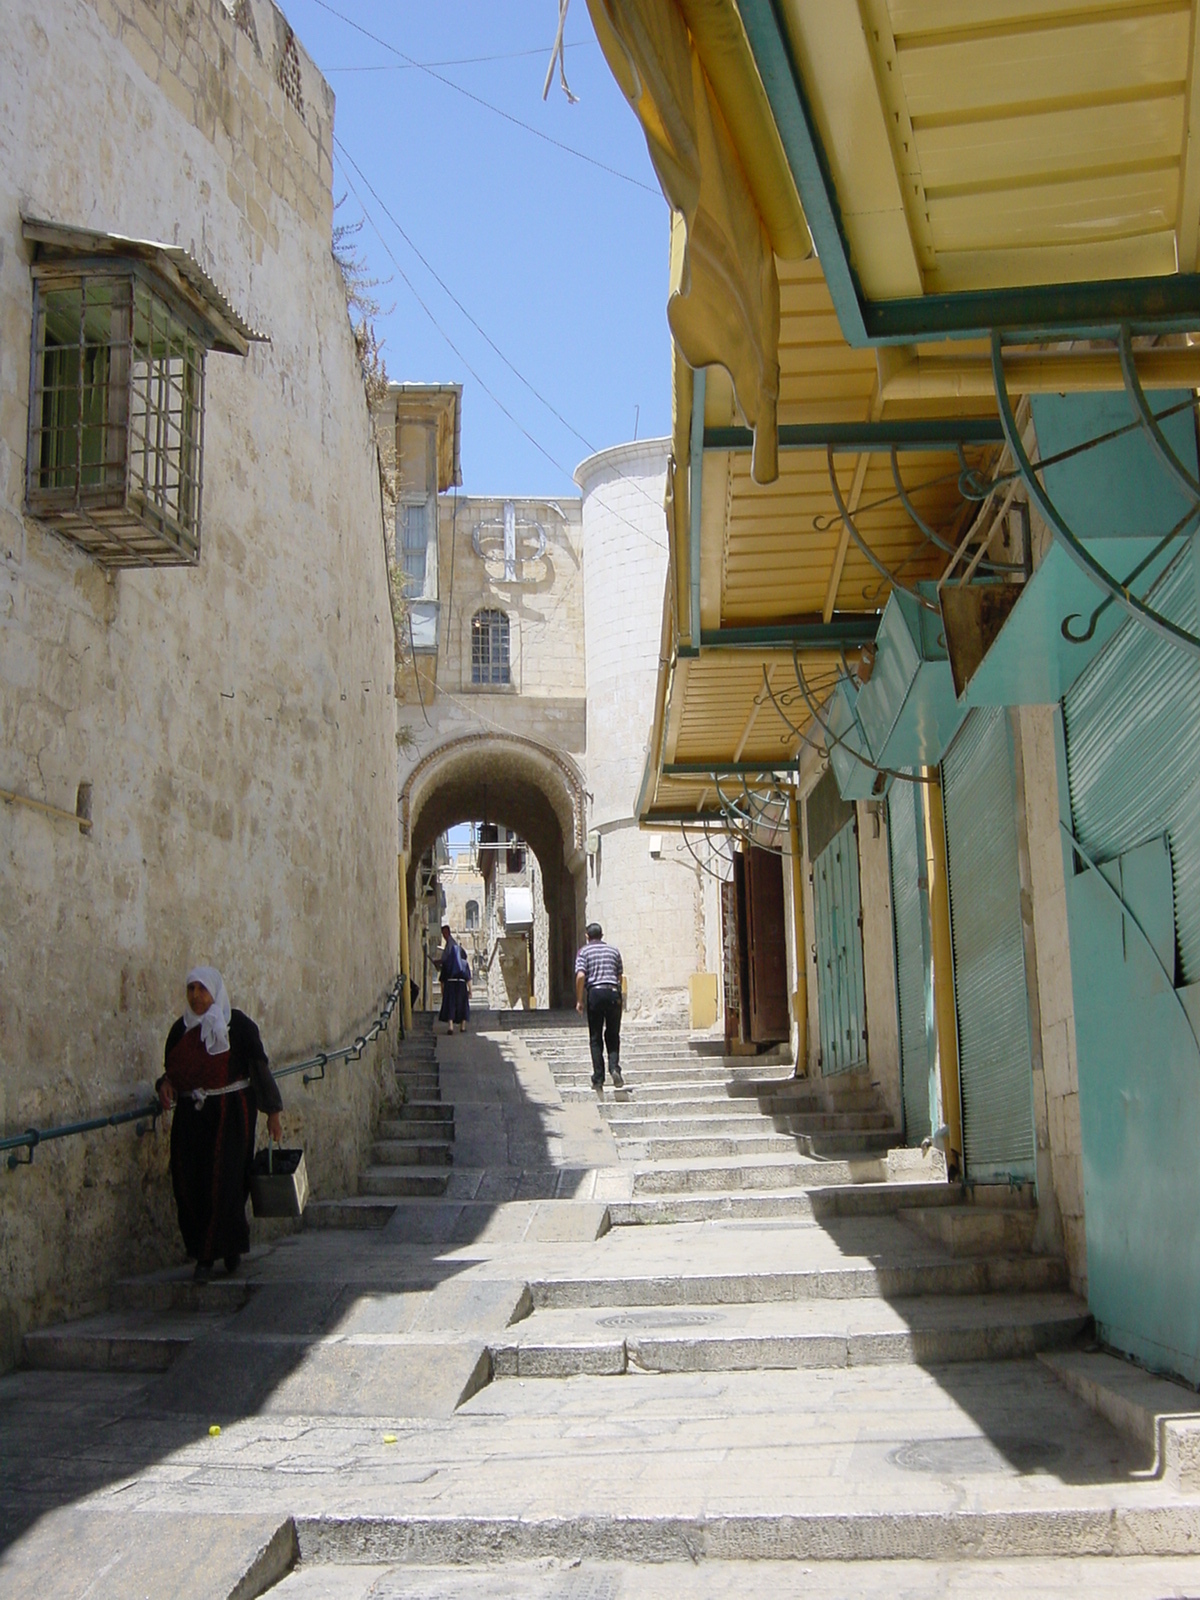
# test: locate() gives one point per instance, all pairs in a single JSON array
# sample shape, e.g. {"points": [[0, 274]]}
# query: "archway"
{"points": [[523, 786]]}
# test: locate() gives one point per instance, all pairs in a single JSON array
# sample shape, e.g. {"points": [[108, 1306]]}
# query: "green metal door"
{"points": [[914, 968], [837, 909], [991, 997], [1131, 746]]}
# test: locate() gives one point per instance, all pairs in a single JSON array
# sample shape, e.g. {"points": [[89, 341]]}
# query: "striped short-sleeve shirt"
{"points": [[600, 964]]}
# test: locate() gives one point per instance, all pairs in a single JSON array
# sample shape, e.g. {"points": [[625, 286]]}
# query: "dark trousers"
{"points": [[604, 1027]]}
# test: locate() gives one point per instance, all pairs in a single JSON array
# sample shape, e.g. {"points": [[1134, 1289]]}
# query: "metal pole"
{"points": [[945, 1012]]}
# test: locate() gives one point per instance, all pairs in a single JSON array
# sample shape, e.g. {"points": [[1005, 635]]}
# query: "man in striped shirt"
{"points": [[598, 973]]}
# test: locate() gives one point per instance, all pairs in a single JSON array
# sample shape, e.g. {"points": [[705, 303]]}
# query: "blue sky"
{"points": [[562, 264]]}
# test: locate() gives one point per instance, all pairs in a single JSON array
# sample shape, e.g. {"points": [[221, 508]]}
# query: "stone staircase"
{"points": [[790, 1343], [883, 1272], [413, 1148]]}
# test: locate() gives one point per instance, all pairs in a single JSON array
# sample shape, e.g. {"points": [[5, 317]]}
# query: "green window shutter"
{"points": [[1133, 752], [841, 1002], [995, 1063]]}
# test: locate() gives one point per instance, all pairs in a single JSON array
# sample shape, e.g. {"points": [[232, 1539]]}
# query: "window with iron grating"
{"points": [[489, 648], [116, 418]]}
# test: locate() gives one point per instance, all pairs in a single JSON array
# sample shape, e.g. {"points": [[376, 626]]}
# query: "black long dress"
{"points": [[212, 1146]]}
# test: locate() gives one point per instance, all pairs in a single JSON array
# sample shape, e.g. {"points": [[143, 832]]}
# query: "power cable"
{"points": [[449, 83], [457, 61], [346, 157]]}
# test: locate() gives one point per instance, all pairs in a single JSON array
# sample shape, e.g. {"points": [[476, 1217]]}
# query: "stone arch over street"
{"points": [[522, 785]]}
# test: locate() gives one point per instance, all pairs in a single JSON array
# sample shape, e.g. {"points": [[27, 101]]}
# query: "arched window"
{"points": [[472, 913], [489, 647]]}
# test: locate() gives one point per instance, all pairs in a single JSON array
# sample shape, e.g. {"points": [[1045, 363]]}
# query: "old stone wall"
{"points": [[236, 720], [649, 900]]}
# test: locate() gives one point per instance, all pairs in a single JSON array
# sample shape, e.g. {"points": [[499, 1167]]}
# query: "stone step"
{"points": [[849, 1333], [401, 1126], [917, 1277], [685, 1089], [764, 1172], [117, 1341], [411, 1152], [914, 1551], [640, 1107], [739, 1126], [388, 1180], [753, 1146], [665, 1127], [975, 1229], [175, 1290], [740, 1147], [812, 1204], [423, 1111], [350, 1211]]}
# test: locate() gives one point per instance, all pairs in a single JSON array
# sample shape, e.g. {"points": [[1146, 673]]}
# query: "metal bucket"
{"points": [[278, 1183]]}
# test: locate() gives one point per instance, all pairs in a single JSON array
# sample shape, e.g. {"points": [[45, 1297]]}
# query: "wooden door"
{"points": [[766, 951]]}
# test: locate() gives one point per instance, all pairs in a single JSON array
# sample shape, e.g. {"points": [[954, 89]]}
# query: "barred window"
{"points": [[413, 532], [489, 648], [116, 420], [472, 913]]}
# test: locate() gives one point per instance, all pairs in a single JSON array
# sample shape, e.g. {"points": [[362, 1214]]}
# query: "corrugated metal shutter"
{"points": [[841, 1003], [1133, 752], [995, 1064], [906, 837]]}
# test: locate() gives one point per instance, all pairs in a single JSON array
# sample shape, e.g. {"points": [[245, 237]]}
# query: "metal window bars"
{"points": [[490, 648], [116, 407], [146, 1115]]}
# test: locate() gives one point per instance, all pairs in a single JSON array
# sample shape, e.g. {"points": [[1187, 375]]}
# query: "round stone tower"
{"points": [[642, 888]]}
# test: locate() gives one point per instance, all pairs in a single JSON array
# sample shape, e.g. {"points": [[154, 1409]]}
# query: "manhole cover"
{"points": [[961, 1457], [660, 1319]]}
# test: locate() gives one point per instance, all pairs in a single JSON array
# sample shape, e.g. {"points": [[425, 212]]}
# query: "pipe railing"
{"points": [[146, 1115]]}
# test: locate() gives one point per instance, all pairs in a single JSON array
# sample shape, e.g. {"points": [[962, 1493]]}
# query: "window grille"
{"points": [[472, 913], [515, 858], [489, 648], [414, 544], [116, 417], [288, 73]]}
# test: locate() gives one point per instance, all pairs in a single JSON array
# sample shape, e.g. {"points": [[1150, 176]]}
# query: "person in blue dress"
{"points": [[455, 972]]}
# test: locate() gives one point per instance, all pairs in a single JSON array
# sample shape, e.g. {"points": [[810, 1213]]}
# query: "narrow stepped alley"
{"points": [[711, 1334]]}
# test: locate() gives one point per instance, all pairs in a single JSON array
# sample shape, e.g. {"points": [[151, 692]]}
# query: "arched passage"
{"points": [[523, 786]]}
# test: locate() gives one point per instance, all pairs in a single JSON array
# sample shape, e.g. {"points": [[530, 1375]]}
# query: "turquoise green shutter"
{"points": [[1133, 751], [995, 1063], [841, 1003]]}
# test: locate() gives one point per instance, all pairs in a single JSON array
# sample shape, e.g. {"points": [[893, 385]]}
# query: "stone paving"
{"points": [[824, 1385]]}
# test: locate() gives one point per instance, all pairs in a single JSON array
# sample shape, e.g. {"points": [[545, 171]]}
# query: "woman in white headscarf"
{"points": [[216, 1076]]}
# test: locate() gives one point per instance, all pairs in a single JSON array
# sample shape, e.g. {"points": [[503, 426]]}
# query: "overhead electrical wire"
{"points": [[457, 61], [347, 158], [568, 149]]}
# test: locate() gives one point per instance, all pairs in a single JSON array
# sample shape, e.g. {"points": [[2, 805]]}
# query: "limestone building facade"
{"points": [[198, 756]]}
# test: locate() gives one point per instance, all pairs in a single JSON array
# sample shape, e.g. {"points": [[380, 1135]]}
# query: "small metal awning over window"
{"points": [[176, 269], [518, 908]]}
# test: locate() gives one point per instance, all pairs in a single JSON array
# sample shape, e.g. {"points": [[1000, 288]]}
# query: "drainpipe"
{"points": [[406, 991], [943, 969], [800, 998]]}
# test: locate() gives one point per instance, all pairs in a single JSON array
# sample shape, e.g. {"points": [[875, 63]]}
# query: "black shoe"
{"points": [[618, 1082], [203, 1272], [232, 1262], [598, 1086]]}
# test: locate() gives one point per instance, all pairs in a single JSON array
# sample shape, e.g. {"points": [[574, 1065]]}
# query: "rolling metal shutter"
{"points": [[1133, 752], [841, 1003], [910, 921], [995, 1064]]}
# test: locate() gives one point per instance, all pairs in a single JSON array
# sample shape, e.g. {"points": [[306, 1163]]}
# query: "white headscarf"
{"points": [[214, 1024]]}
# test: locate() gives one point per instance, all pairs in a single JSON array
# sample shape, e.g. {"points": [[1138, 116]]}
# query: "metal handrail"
{"points": [[32, 1137]]}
